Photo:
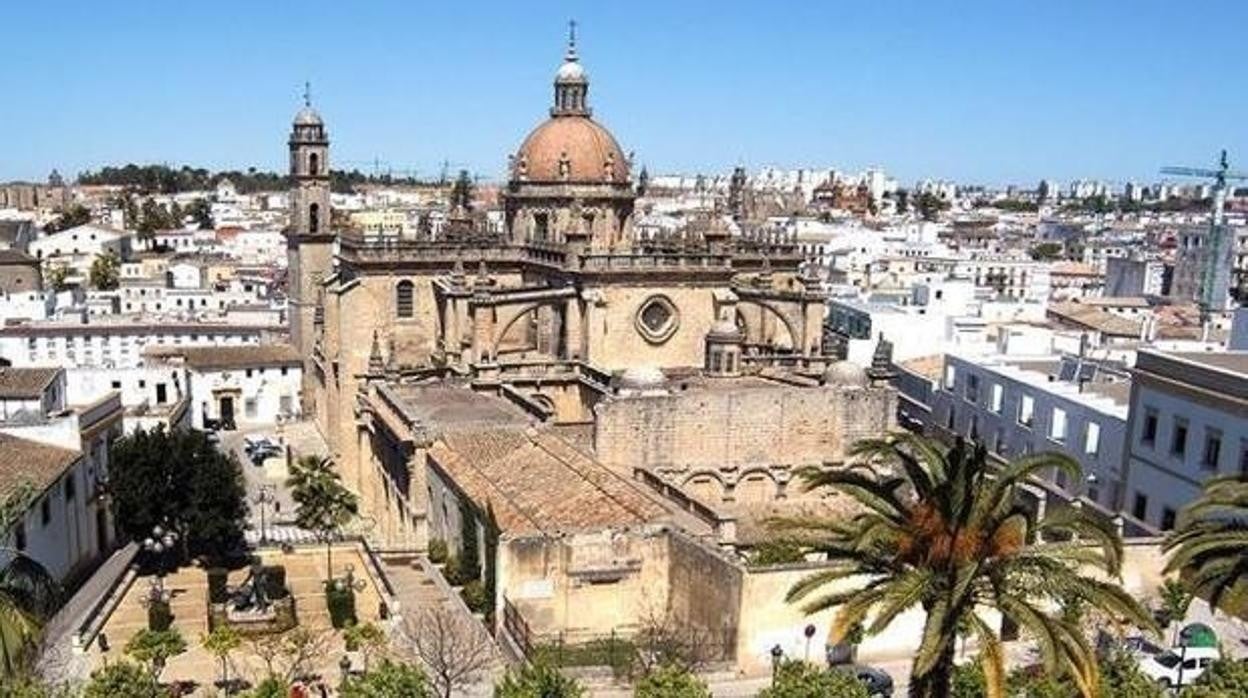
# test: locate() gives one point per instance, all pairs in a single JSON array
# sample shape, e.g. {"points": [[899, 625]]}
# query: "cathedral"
{"points": [[587, 398]]}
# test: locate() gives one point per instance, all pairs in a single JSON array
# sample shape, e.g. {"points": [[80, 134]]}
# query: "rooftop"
{"points": [[1227, 361], [25, 383], [230, 357], [29, 462], [536, 483], [443, 405]]}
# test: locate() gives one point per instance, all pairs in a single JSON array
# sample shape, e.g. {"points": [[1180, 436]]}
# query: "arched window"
{"points": [[314, 164], [403, 298], [314, 218]]}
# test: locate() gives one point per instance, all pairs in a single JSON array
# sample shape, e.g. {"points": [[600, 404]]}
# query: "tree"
{"points": [[76, 215], [1175, 600], [105, 271], [1210, 542], [671, 681], [943, 533], [1046, 252], [537, 681], [58, 276], [365, 638], [220, 643], [796, 679], [290, 655], [178, 479], [388, 680], [155, 648], [323, 504], [453, 648], [930, 206], [777, 551], [31, 687], [201, 212], [28, 593], [123, 680], [461, 192]]}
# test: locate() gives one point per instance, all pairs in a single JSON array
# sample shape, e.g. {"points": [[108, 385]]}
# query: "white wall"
{"points": [[261, 388]]}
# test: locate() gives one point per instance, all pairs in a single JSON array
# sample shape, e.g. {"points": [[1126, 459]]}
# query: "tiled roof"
{"points": [[29, 462], [537, 483], [237, 357], [1094, 318], [10, 258], [25, 383]]}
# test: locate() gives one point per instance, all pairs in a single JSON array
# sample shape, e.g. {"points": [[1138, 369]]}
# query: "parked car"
{"points": [[1178, 667], [877, 681]]}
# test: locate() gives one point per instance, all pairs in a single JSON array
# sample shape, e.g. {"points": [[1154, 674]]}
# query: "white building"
{"points": [[58, 454], [1188, 423], [113, 343], [1020, 405], [243, 386], [78, 247]]}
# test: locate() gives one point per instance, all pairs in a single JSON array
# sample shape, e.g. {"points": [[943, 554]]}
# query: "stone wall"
{"points": [[613, 340], [732, 434]]}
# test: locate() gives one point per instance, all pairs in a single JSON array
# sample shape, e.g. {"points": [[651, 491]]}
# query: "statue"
{"points": [[565, 165]]}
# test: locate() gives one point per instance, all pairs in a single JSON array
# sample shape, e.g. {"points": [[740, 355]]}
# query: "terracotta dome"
{"points": [[590, 149]]}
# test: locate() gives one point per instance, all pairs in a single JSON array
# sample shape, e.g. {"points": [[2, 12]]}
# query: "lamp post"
{"points": [[159, 544], [265, 497], [777, 654], [344, 665]]}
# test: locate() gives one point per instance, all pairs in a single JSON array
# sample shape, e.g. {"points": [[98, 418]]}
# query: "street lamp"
{"points": [[266, 496], [344, 665], [159, 544], [777, 654]]}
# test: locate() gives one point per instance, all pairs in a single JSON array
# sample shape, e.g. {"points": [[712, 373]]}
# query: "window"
{"points": [[19, 537], [1148, 433], [249, 408], [314, 218], [1026, 410], [71, 489], [45, 511], [403, 298], [951, 418], [1213, 449], [1000, 445], [1178, 438], [973, 429], [1140, 510], [951, 376], [284, 404], [1092, 438], [1057, 426], [116, 385], [1167, 519], [161, 394], [248, 372], [314, 164], [998, 397], [972, 388], [284, 369]]}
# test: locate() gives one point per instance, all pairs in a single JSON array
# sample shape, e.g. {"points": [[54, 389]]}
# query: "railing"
{"points": [[628, 262], [517, 627]]}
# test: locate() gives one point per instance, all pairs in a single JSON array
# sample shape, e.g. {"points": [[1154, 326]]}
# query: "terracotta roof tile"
{"points": [[25, 461], [25, 383]]}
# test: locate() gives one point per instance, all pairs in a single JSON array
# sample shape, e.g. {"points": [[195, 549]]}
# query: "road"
{"points": [[279, 510]]}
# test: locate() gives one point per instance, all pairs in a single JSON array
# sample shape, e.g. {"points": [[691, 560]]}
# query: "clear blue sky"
{"points": [[991, 92]]}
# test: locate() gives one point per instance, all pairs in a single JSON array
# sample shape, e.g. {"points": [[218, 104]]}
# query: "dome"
{"points": [[725, 329], [571, 71], [593, 155], [846, 373], [642, 378], [308, 117]]}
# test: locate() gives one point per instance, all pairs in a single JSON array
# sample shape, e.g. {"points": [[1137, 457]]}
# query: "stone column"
{"points": [[572, 330]]}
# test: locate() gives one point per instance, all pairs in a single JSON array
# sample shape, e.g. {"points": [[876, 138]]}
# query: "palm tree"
{"points": [[28, 593], [1210, 542], [27, 599], [943, 532], [324, 504]]}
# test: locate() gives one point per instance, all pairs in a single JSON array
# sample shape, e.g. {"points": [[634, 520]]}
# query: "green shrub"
{"points": [[437, 551], [217, 589], [797, 679], [159, 615], [275, 581], [341, 605], [537, 681], [780, 551], [122, 679], [671, 682], [473, 594], [452, 571]]}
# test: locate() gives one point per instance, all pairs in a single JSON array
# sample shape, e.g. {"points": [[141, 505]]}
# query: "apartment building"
{"points": [[1188, 423]]}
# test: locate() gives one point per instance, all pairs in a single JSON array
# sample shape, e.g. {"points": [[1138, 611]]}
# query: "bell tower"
{"points": [[309, 239]]}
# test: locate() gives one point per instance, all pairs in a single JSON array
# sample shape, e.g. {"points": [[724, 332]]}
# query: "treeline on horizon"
{"points": [[163, 179]]}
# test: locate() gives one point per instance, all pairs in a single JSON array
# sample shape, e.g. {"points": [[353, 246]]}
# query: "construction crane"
{"points": [[1218, 240]]}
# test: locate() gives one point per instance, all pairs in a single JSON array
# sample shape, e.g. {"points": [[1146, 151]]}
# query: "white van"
{"points": [[1178, 667]]}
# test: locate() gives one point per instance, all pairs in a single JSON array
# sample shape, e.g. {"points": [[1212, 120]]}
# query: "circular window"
{"points": [[657, 319]]}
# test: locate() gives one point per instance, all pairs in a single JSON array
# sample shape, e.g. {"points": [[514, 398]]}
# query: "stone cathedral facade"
{"points": [[683, 368]]}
